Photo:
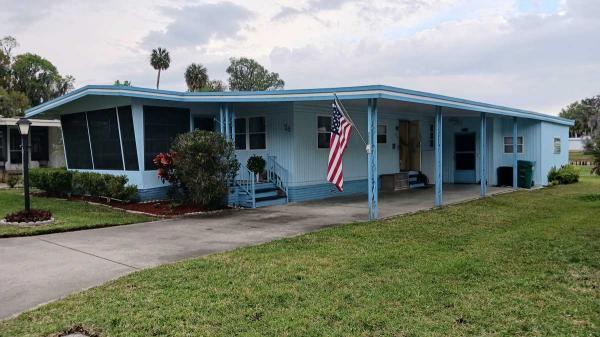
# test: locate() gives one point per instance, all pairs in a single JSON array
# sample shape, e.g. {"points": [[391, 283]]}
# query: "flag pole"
{"points": [[347, 115]]}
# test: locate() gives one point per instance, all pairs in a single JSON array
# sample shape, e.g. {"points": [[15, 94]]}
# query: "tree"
{"points": [[248, 75], [8, 43], [196, 77], [38, 78], [4, 70], [160, 60], [586, 114], [12, 103], [215, 85], [122, 84]]}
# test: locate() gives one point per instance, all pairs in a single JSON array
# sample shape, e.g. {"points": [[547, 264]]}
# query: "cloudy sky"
{"points": [[534, 54]]}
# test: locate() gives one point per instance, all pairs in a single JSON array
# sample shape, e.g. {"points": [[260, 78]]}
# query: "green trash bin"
{"points": [[525, 173]]}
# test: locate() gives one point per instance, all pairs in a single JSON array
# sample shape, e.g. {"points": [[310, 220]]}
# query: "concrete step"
{"points": [[267, 193], [264, 202]]}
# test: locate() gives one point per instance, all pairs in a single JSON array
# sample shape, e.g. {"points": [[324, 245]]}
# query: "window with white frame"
{"points": [[556, 145], [323, 131], [381, 134], [508, 144], [250, 133]]}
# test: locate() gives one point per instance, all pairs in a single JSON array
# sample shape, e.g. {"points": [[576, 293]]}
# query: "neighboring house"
{"points": [[119, 130], [577, 144], [45, 139]]}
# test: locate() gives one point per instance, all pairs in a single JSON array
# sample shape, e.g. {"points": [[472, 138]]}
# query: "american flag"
{"points": [[340, 134]]}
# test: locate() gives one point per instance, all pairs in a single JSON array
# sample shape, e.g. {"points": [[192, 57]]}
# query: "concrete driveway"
{"points": [[39, 269]]}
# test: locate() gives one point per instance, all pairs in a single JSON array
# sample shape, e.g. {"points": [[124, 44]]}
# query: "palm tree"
{"points": [[196, 77], [160, 60]]}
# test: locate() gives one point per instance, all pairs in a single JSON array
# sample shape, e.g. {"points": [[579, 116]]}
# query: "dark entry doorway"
{"points": [[464, 158], [204, 123]]}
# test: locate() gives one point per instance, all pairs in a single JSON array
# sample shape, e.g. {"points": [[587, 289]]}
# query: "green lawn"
{"points": [[580, 156], [69, 215], [519, 264]]}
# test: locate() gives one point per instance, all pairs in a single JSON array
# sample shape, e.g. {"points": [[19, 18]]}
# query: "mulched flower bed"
{"points": [[34, 215], [160, 208], [157, 208]]}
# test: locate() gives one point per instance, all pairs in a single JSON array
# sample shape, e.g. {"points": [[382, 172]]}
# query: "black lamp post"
{"points": [[24, 126]]}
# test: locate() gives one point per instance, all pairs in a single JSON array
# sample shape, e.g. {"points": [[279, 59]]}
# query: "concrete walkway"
{"points": [[35, 270]]}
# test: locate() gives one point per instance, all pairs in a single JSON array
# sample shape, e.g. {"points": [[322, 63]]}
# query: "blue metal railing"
{"points": [[277, 175], [246, 181]]}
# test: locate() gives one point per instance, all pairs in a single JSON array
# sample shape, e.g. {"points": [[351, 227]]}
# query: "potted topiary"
{"points": [[257, 165]]}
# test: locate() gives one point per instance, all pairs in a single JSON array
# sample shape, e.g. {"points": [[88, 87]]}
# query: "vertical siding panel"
{"points": [[549, 159]]}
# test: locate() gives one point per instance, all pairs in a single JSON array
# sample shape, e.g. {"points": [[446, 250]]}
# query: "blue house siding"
{"points": [[279, 131], [530, 131], [549, 131], [310, 162]]}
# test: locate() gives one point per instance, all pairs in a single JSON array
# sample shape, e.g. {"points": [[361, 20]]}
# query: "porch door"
{"points": [[410, 146], [464, 158]]}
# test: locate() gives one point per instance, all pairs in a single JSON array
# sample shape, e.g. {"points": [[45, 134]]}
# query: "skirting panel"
{"points": [[321, 191], [156, 193]]}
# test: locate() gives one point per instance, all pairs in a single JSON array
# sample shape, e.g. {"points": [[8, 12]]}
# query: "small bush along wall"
{"points": [[566, 174], [60, 182], [12, 180], [54, 181]]}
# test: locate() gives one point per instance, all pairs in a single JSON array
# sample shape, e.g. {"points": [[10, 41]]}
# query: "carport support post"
{"points": [[233, 126], [227, 121], [515, 155], [372, 158], [482, 155], [438, 156], [221, 121]]}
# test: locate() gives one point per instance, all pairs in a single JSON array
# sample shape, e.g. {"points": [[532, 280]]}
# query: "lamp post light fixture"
{"points": [[24, 125]]}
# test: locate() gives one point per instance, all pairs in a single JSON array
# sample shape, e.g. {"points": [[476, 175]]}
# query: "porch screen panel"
{"points": [[77, 145], [104, 134], [161, 126], [16, 157], [39, 143], [3, 138], [128, 138], [240, 133]]}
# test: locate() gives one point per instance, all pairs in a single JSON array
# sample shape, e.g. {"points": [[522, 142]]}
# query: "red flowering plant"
{"points": [[164, 162]]}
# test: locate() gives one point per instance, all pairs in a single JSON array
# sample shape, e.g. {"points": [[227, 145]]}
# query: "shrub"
{"points": [[164, 164], [12, 180], [203, 164], [117, 188], [595, 151], [103, 185], [256, 164], [89, 183], [53, 181], [33, 215], [61, 182], [566, 174]]}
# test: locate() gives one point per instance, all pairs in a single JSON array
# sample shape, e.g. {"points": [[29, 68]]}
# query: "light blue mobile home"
{"points": [[416, 138]]}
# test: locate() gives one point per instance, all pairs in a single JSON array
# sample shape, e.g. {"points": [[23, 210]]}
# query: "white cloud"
{"points": [[196, 25], [533, 54]]}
